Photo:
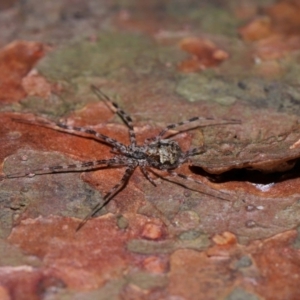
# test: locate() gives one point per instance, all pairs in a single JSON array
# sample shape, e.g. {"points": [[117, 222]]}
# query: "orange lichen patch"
{"points": [[277, 31], [152, 231], [225, 244], [35, 84], [205, 54], [276, 46], [285, 16], [281, 18], [227, 238], [257, 29], [16, 60], [155, 264], [269, 268]]}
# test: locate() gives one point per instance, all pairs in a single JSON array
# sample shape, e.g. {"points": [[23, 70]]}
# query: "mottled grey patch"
{"points": [[241, 294], [257, 93], [122, 222], [167, 246], [190, 235], [59, 194], [243, 262]]}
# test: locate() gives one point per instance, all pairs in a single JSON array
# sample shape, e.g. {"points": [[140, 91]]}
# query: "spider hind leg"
{"points": [[111, 193], [207, 191]]}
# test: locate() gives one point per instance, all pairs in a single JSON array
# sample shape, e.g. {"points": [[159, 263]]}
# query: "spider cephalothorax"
{"points": [[156, 153]]}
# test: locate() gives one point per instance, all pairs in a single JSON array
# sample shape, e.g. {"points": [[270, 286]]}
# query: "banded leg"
{"points": [[212, 192], [84, 166], [121, 113], [117, 188], [193, 152], [73, 129], [112, 142], [218, 122], [147, 175]]}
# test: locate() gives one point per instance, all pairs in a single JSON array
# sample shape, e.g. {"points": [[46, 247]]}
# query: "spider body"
{"points": [[164, 155], [156, 153]]}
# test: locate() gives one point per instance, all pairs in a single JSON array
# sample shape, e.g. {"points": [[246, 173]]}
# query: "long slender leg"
{"points": [[193, 152], [207, 190], [109, 195], [218, 122], [147, 175], [121, 113], [73, 129], [212, 192], [84, 166], [94, 133]]}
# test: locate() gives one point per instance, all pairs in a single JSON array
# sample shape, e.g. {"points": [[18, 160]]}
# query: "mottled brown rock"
{"points": [[16, 60], [267, 268]]}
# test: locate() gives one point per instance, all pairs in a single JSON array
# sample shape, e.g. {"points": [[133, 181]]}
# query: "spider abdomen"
{"points": [[164, 154]]}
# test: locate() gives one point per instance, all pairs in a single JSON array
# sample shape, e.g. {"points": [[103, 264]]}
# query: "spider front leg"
{"points": [[116, 189], [84, 166], [174, 125], [121, 113], [97, 135], [63, 127]]}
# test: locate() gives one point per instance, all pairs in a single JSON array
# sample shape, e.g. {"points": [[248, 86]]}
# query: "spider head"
{"points": [[164, 154]]}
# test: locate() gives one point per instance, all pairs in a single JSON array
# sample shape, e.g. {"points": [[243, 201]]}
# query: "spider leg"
{"points": [[212, 192], [84, 166], [193, 152], [94, 133], [147, 175], [121, 113], [60, 126], [113, 191], [174, 125]]}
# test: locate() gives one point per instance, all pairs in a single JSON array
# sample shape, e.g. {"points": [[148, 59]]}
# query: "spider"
{"points": [[156, 153]]}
